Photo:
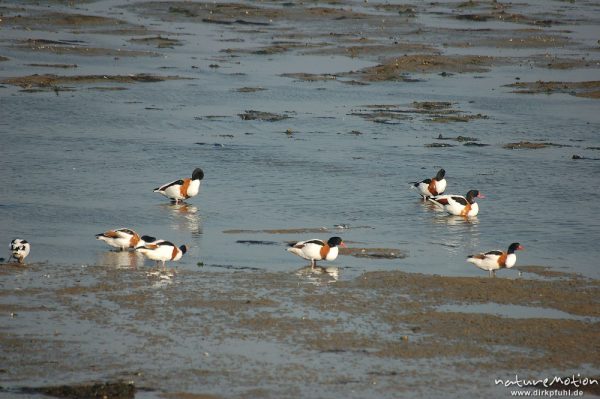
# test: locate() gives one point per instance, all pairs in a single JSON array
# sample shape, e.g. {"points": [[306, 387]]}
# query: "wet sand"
{"points": [[381, 323]]}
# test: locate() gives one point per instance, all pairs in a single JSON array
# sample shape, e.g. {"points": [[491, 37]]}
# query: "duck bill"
{"points": [[520, 247], [480, 195], [343, 245]]}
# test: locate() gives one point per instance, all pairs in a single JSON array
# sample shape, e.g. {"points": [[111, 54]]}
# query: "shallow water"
{"points": [[71, 174], [78, 163], [512, 311]]}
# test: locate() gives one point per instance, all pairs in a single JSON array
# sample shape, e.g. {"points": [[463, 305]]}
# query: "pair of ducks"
{"points": [[491, 261], [158, 250], [431, 189]]}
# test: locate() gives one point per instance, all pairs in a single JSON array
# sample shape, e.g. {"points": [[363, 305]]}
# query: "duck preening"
{"points": [[431, 187], [162, 251], [182, 189], [120, 238]]}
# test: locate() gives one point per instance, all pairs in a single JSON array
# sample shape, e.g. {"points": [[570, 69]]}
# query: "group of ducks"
{"points": [[313, 250], [152, 248], [159, 250], [432, 189]]}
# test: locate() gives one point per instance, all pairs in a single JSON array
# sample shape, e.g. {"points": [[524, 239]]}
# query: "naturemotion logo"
{"points": [[562, 382]]}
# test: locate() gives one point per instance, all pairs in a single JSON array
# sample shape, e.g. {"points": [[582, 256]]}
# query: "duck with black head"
{"points": [[315, 249], [182, 189], [495, 260]]}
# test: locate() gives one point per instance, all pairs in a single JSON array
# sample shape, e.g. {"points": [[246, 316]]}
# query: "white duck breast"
{"points": [[440, 186]]}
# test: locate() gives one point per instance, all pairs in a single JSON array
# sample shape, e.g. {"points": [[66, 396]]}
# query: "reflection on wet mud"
{"points": [[319, 275], [184, 217], [456, 232], [161, 278], [121, 259]]}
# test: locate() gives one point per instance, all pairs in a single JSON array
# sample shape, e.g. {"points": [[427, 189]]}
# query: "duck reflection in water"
{"points": [[319, 275], [456, 232], [121, 259], [185, 217], [451, 220]]}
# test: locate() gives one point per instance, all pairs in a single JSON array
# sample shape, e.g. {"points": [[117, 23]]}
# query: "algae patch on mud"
{"points": [[50, 81], [78, 48], [158, 41], [113, 390], [373, 253], [589, 89], [262, 116], [532, 145], [395, 68], [434, 111], [52, 19]]}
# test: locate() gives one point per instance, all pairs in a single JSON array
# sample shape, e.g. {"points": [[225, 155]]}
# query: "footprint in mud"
{"points": [[161, 274]]}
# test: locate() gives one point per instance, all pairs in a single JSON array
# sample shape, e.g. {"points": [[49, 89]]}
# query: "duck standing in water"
{"points": [[121, 238], [182, 189], [162, 251], [316, 249], [458, 205], [431, 187]]}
